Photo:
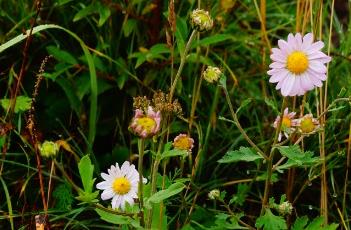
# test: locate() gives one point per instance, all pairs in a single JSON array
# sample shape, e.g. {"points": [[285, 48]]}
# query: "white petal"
{"points": [[306, 83], [125, 167], [103, 185], [106, 176], [315, 75], [274, 71], [278, 58], [107, 194], [292, 41]]}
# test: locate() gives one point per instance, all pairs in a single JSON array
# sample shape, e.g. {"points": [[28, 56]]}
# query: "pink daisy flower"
{"points": [[183, 142], [298, 65], [288, 124], [307, 124], [146, 125]]}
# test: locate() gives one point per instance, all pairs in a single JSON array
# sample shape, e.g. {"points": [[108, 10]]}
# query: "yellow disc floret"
{"points": [[183, 143], [146, 123], [307, 125], [286, 122], [121, 186], [297, 62]]}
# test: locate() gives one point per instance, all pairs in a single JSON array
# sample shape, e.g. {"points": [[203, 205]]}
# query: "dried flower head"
{"points": [[141, 103], [288, 124], [298, 65], [212, 74], [146, 125], [161, 103], [307, 124], [48, 149], [201, 20], [214, 194], [183, 142]]}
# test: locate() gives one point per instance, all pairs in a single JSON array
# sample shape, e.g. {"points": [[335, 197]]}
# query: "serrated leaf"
{"points": [[240, 196], [166, 193], [296, 157], [300, 223], [23, 103], [243, 154], [269, 221]]}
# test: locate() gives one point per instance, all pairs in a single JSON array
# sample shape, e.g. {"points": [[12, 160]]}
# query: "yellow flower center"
{"points": [[286, 122], [297, 62], [307, 125], [183, 143], [147, 123], [121, 186]]}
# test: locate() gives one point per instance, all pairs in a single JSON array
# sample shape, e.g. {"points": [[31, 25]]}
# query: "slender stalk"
{"points": [[182, 62], [270, 160], [242, 131], [141, 146]]}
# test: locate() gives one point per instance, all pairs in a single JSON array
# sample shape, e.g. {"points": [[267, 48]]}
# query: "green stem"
{"points": [[270, 160], [242, 131], [141, 146], [182, 62]]}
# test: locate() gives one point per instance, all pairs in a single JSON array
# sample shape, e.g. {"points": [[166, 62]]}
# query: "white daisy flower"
{"points": [[299, 65], [121, 184]]}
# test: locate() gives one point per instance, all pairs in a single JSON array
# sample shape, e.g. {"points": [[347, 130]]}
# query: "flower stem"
{"points": [[141, 146], [270, 160], [242, 131], [182, 62]]}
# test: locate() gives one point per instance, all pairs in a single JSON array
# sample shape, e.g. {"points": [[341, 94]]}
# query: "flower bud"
{"points": [[201, 20], [183, 142], [146, 125], [214, 194], [48, 149], [212, 74], [284, 208]]}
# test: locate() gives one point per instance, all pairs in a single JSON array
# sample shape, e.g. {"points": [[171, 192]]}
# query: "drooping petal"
{"points": [[107, 194]]}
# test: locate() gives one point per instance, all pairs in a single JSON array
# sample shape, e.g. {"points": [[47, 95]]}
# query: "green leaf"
{"points": [[166, 193], [73, 98], [86, 170], [316, 224], [243, 154], [181, 34], [129, 26], [113, 218], [269, 221], [225, 221], [214, 39], [92, 8], [104, 13], [272, 105], [296, 157], [244, 104], [240, 197], [23, 103], [61, 55], [174, 153]]}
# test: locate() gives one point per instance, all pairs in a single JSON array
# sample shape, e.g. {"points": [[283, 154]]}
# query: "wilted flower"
{"points": [[288, 124], [284, 208], [307, 124], [183, 142], [121, 184], [214, 194], [146, 125], [212, 74], [48, 149], [201, 20], [298, 65]]}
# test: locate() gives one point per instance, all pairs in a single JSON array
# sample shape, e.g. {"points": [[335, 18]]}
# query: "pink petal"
{"points": [[306, 83], [307, 41], [278, 58], [284, 46], [314, 47], [277, 65], [319, 76], [278, 76], [292, 41], [317, 67], [298, 39], [288, 85]]}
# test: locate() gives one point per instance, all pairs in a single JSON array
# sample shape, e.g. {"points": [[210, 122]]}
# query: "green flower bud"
{"points": [[212, 74], [214, 194], [48, 149], [201, 20]]}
